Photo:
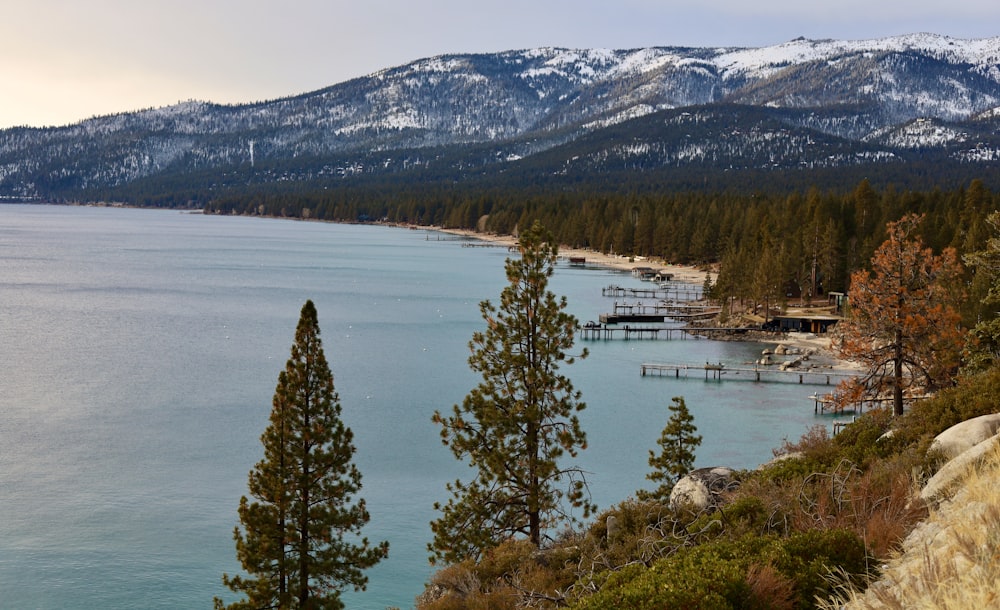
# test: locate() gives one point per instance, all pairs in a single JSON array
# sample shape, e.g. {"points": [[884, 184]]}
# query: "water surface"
{"points": [[140, 350]]}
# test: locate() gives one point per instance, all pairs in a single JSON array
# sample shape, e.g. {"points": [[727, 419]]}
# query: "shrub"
{"points": [[751, 572], [974, 395], [503, 578]]}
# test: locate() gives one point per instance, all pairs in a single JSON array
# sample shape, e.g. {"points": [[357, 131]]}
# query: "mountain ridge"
{"points": [[497, 109]]}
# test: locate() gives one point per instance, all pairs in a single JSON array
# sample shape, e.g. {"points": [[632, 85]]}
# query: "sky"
{"points": [[62, 61]]}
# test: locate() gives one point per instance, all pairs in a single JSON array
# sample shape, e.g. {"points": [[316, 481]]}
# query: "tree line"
{"points": [[812, 240]]}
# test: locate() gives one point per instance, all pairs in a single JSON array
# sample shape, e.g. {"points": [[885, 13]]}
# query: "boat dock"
{"points": [[593, 331], [619, 318], [679, 291], [659, 312], [668, 309], [747, 373]]}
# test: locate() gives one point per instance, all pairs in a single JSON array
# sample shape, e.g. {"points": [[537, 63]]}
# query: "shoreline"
{"points": [[817, 348], [682, 273]]}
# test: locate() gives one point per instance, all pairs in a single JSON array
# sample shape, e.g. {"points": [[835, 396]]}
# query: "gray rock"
{"points": [[961, 437], [936, 488], [702, 489], [794, 455]]}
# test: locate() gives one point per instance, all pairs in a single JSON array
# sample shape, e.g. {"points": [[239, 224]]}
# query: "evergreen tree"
{"points": [[982, 349], [904, 325], [295, 545], [677, 444], [517, 424]]}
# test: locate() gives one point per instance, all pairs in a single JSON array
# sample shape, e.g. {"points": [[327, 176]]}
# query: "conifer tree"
{"points": [[299, 543], [517, 424], [982, 349], [904, 324], [677, 444]]}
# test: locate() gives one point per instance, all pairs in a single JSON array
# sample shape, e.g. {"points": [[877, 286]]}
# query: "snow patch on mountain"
{"points": [[921, 133]]}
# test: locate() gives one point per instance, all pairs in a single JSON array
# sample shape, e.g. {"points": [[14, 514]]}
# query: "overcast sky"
{"points": [[62, 61]]}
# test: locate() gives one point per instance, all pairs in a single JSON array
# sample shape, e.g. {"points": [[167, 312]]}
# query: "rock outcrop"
{"points": [[702, 489], [963, 436]]}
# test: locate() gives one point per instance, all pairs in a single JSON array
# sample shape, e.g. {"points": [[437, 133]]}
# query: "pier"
{"points": [[592, 331], [670, 310], [680, 292], [618, 318], [747, 373]]}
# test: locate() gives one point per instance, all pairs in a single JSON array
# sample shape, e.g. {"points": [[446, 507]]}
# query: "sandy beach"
{"points": [[821, 355], [682, 273]]}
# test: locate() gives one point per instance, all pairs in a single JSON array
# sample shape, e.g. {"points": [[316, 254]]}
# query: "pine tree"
{"points": [[517, 424], [677, 444], [904, 324], [296, 545], [982, 349]]}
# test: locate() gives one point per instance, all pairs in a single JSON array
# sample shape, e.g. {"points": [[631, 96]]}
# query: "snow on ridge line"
{"points": [[973, 51], [598, 63]]}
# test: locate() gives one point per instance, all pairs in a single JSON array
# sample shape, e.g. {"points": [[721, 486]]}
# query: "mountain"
{"points": [[542, 114]]}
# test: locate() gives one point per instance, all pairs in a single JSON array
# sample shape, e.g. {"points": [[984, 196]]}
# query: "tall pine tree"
{"points": [[518, 423], [296, 543]]}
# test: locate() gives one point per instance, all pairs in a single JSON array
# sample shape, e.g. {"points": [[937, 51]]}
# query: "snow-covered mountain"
{"points": [[824, 101]]}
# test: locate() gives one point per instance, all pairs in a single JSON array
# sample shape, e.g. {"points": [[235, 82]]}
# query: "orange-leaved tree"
{"points": [[904, 322]]}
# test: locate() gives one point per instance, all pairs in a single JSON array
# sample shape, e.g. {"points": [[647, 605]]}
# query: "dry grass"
{"points": [[949, 562]]}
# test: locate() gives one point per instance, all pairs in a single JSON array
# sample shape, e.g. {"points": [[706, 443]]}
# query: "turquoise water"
{"points": [[140, 350]]}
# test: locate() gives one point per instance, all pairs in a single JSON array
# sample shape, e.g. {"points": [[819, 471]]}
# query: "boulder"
{"points": [[794, 455], [702, 489], [936, 488], [960, 437]]}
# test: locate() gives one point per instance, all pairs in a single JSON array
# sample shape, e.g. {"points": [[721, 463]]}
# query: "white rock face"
{"points": [[955, 470], [961, 437]]}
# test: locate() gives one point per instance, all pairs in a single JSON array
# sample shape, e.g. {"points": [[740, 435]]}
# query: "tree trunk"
{"points": [[304, 489], [897, 377]]}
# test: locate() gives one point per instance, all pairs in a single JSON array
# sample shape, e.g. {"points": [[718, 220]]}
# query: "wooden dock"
{"points": [[621, 318], [665, 308], [680, 291], [595, 331], [747, 373]]}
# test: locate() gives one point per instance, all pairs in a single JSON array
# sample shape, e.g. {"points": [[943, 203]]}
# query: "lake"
{"points": [[140, 353]]}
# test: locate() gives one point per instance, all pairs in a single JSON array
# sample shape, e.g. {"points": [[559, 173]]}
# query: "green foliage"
{"points": [[718, 574], [515, 427], [296, 543], [972, 396], [811, 240], [983, 346], [809, 558], [677, 444], [864, 440]]}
